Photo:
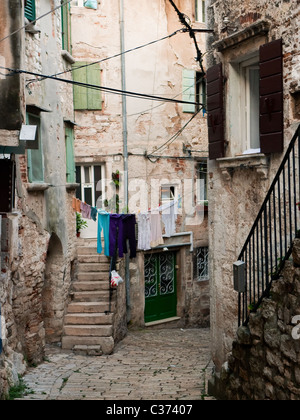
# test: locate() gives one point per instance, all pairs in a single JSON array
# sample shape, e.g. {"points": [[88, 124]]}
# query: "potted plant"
{"points": [[80, 224]]}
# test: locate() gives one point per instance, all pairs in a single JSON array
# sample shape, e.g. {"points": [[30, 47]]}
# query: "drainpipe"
{"points": [[125, 147]]}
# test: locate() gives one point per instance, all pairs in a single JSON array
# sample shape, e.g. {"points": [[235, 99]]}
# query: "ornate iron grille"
{"points": [[202, 267]]}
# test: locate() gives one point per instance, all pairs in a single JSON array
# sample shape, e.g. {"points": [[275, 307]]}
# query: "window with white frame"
{"points": [[244, 106], [250, 101], [200, 12], [202, 183], [168, 193], [92, 184]]}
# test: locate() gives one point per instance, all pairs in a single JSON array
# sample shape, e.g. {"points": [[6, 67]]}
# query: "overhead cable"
{"points": [[119, 54], [101, 88]]}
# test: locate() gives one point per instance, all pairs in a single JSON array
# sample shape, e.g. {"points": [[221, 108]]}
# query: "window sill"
{"points": [[68, 57], [37, 187], [259, 162], [72, 186]]}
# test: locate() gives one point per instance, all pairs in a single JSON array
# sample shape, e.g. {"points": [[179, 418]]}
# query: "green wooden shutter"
{"points": [[30, 13], [80, 93], [87, 98], [94, 78], [189, 90], [65, 27], [70, 161]]}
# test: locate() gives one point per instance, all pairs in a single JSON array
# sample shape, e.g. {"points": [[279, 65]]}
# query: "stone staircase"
{"points": [[88, 329]]}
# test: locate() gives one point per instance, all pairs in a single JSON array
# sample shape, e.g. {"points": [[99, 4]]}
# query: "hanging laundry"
{"points": [[116, 235], [156, 230], [169, 218], [85, 210], [144, 231], [103, 225], [78, 205], [129, 222], [94, 214]]}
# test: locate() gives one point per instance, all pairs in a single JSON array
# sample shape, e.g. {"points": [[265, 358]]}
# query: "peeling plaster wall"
{"points": [[236, 199], [155, 70]]}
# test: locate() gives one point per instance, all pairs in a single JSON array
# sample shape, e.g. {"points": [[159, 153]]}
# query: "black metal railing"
{"points": [[270, 242]]}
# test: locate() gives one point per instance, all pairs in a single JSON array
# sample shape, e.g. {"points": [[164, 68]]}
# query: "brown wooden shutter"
{"points": [[215, 109], [271, 97]]}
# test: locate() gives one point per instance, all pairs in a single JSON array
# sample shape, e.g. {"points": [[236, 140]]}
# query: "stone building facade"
{"points": [[244, 154], [38, 227], [165, 69]]}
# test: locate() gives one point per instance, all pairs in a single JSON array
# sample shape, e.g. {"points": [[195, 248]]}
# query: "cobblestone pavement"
{"points": [[146, 365]]}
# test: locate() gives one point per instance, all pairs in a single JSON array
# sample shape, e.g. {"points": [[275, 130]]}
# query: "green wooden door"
{"points": [[160, 286]]}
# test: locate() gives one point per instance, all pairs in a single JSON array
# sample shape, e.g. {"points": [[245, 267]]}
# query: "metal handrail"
{"points": [[270, 241]]}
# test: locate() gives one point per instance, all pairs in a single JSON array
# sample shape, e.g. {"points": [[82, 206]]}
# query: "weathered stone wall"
{"points": [[264, 364], [237, 193], [39, 248], [155, 70]]}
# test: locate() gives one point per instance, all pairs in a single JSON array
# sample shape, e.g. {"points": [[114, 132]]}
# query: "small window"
{"points": [[168, 193], [250, 102], [193, 90], [200, 13], [30, 12], [92, 184], [202, 183], [202, 264], [35, 158], [70, 162]]}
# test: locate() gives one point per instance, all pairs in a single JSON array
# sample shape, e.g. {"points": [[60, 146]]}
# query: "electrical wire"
{"points": [[100, 88], [173, 138], [37, 19], [111, 57]]}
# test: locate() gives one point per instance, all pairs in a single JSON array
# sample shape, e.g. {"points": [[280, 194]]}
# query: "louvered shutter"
{"points": [[271, 97], [87, 98], [215, 109], [189, 90], [30, 10], [94, 78]]}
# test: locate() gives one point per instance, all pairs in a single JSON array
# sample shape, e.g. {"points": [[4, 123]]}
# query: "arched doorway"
{"points": [[53, 295]]}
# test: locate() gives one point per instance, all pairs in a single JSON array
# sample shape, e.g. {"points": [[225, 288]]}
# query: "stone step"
{"points": [[88, 319], [89, 286], [88, 330], [93, 267], [90, 258], [93, 276], [91, 296], [88, 250], [87, 307], [106, 343]]}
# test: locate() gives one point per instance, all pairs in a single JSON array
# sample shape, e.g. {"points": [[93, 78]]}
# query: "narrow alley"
{"points": [[147, 365]]}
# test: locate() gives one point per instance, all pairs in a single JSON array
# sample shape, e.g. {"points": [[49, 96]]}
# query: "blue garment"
{"points": [[103, 224], [94, 213]]}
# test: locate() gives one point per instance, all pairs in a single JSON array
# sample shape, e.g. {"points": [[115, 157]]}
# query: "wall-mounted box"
{"points": [[239, 276]]}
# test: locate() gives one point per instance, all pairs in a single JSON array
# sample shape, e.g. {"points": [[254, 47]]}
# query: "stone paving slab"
{"points": [[146, 365]]}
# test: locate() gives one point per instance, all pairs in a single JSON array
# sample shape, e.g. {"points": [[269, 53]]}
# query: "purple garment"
{"points": [[129, 223], [116, 228]]}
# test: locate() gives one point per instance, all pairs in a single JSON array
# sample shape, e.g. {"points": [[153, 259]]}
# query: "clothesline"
{"points": [[117, 229], [87, 211]]}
